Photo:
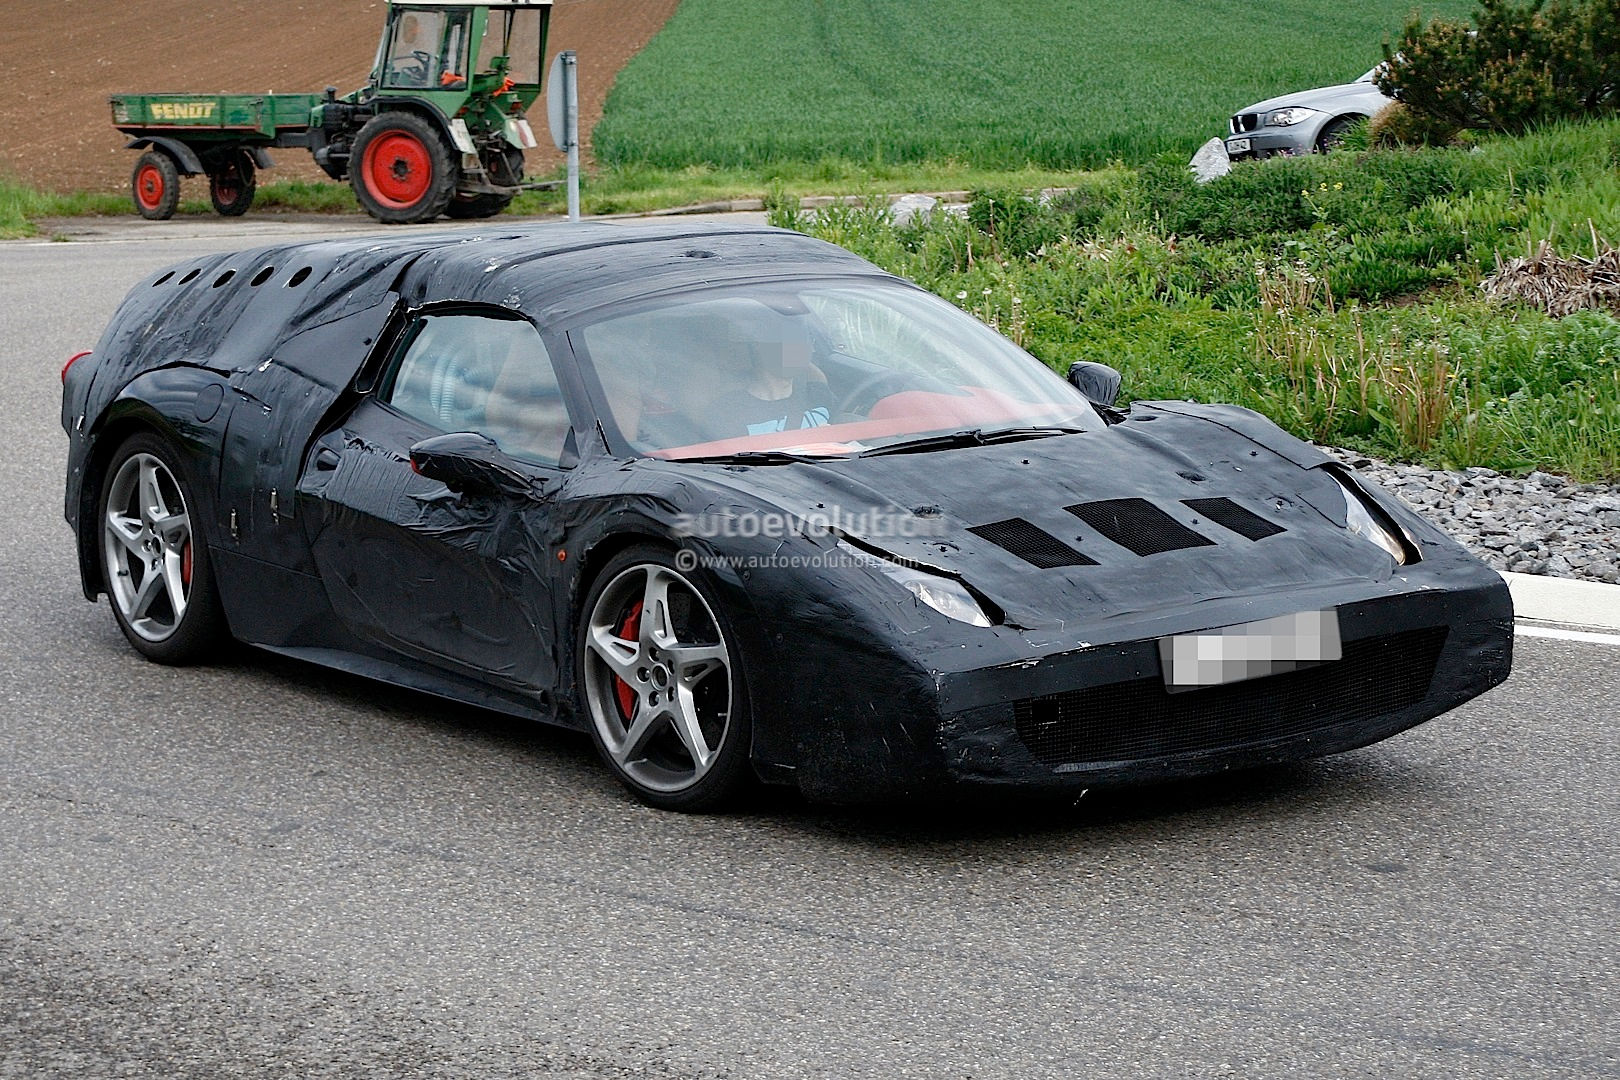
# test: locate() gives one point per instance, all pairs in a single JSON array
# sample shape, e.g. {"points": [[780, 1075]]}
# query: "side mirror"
{"points": [[1099, 382], [470, 463]]}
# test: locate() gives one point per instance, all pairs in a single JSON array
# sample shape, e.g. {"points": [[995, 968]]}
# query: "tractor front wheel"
{"points": [[231, 184], [155, 184], [401, 169]]}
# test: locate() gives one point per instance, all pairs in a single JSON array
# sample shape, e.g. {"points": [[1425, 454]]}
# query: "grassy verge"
{"points": [[628, 189], [1337, 295]]}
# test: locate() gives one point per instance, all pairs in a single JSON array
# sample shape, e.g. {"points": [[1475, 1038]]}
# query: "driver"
{"points": [[779, 388], [410, 63]]}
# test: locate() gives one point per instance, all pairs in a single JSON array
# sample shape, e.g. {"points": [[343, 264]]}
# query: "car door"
{"points": [[461, 581]]}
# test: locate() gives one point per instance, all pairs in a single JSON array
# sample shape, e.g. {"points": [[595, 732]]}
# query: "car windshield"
{"points": [[821, 369]]}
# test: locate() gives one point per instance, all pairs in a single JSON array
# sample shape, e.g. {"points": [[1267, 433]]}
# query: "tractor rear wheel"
{"points": [[231, 184], [155, 184], [401, 169], [505, 169]]}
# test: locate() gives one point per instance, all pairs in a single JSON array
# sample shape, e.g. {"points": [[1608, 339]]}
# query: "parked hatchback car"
{"points": [[1304, 122]]}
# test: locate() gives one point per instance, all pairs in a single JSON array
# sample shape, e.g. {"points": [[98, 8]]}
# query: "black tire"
{"points": [[477, 206], [232, 182], [1331, 137], [401, 169], [144, 543], [507, 171], [661, 768], [155, 186]]}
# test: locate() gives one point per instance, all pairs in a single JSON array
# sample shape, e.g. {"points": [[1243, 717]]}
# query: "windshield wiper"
{"points": [[762, 457], [970, 437]]}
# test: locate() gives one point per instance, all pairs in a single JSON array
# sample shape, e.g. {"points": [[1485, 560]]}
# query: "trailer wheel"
{"points": [[402, 171], [155, 184], [232, 183]]}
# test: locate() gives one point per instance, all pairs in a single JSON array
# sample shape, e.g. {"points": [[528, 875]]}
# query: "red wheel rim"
{"points": [[149, 187], [397, 169], [628, 630]]}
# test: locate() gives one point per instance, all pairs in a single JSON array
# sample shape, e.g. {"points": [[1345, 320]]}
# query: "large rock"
{"points": [[907, 208], [1210, 162]]}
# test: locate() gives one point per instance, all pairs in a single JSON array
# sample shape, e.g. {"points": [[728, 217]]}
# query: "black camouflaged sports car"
{"points": [[740, 505]]}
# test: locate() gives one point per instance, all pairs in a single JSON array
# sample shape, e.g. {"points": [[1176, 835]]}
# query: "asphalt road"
{"points": [[262, 869]]}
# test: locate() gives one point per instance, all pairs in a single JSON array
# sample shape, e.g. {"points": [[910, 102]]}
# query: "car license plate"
{"points": [[1234, 653], [1237, 146]]}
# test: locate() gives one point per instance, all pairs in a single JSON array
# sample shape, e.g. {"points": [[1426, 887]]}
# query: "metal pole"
{"points": [[571, 107]]}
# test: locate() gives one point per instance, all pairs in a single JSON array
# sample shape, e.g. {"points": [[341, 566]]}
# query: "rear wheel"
{"points": [[231, 184], [154, 561], [401, 169], [507, 168], [155, 185], [662, 683]]}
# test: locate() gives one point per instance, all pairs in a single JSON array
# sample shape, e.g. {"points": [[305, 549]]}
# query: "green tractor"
{"points": [[439, 128]]}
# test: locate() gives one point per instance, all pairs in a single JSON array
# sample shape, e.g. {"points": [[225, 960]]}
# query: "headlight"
{"points": [[1362, 520], [945, 595], [1289, 117]]}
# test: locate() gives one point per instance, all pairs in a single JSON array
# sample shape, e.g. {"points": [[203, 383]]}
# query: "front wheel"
{"points": [[401, 169], [232, 183], [662, 683], [155, 186], [1333, 133], [154, 561]]}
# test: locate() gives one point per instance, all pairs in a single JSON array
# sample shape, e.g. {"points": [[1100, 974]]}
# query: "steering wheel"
{"points": [[401, 71], [848, 401]]}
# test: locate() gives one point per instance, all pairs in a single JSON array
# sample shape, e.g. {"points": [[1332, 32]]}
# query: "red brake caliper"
{"points": [[185, 565], [628, 630]]}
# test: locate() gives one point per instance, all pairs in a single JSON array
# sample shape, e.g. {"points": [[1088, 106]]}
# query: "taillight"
{"points": [[75, 358]]}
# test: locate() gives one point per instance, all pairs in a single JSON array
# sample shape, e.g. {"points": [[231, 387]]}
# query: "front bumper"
{"points": [[1099, 715], [1268, 142]]}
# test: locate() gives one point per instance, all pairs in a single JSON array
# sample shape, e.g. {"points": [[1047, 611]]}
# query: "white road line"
{"points": [[1567, 635]]}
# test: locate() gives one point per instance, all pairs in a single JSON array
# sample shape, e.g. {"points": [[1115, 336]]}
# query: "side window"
{"points": [[475, 373]]}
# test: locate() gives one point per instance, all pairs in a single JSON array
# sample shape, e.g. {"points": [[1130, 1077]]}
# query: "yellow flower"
{"points": [[1338, 187]]}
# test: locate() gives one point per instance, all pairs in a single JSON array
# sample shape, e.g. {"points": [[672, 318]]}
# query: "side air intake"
{"points": [[1229, 515]]}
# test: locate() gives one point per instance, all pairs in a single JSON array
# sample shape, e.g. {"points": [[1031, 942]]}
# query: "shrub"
{"points": [[1398, 125], [1525, 64]]}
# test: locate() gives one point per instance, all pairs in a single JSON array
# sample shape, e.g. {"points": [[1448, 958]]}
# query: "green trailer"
{"points": [[439, 128]]}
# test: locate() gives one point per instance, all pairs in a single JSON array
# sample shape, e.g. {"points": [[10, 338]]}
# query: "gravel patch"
{"points": [[1537, 524]]}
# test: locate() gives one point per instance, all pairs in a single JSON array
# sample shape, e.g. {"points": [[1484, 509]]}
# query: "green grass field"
{"points": [[1054, 83]]}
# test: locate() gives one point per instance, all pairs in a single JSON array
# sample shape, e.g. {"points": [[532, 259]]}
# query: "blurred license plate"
{"points": [[1237, 146], [1235, 653]]}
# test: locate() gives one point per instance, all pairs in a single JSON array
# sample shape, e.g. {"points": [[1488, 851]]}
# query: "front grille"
{"points": [[1229, 515], [1245, 122], [1138, 720], [1138, 525], [1031, 543]]}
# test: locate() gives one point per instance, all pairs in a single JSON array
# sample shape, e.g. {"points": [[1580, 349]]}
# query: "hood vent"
{"points": [[1229, 515], [1137, 525], [1031, 543]]}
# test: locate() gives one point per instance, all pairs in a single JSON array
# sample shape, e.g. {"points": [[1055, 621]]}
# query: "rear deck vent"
{"points": [[1229, 515], [1031, 543], [1138, 525]]}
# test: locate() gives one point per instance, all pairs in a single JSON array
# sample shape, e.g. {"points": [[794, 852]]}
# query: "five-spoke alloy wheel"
{"points": [[662, 684], [155, 568]]}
